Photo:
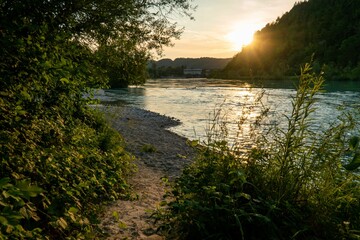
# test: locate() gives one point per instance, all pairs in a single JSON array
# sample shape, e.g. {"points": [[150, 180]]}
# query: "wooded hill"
{"points": [[204, 62], [328, 30], [167, 67]]}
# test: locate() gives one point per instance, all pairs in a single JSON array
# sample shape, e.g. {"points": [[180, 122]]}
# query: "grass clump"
{"points": [[148, 148], [293, 183]]}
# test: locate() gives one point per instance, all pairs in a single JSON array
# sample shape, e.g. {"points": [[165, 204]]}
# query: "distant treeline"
{"points": [[326, 30], [175, 68]]}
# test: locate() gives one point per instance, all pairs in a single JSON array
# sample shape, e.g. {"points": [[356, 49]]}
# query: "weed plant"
{"points": [[293, 183]]}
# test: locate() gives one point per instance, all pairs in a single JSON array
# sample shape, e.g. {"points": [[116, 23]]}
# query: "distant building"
{"points": [[193, 72]]}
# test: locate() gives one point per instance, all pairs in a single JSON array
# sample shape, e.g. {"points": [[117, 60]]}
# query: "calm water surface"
{"points": [[193, 101]]}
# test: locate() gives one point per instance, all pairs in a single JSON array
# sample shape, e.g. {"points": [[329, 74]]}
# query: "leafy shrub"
{"points": [[51, 140], [17, 209], [292, 184], [76, 173]]}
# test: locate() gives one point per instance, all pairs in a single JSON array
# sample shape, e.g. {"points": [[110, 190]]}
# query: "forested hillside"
{"points": [[204, 62], [328, 30], [167, 67]]}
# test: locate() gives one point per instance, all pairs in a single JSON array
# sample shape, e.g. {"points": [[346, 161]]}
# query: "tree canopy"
{"points": [[327, 30], [118, 31]]}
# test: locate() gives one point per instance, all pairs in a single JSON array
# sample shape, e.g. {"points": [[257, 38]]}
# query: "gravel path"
{"points": [[160, 153]]}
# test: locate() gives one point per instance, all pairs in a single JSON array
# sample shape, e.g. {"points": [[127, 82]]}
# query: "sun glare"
{"points": [[241, 36]]}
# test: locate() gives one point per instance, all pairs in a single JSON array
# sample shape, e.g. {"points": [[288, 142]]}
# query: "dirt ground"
{"points": [[159, 153]]}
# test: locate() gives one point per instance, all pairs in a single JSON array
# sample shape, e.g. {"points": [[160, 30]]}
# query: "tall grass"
{"points": [[293, 183]]}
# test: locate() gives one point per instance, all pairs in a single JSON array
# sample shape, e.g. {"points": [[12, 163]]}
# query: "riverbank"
{"points": [[159, 153]]}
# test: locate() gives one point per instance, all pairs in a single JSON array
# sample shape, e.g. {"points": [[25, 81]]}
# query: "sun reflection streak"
{"points": [[238, 120]]}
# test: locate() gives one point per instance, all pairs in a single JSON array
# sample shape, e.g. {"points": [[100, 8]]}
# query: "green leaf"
{"points": [[3, 220], [47, 64], [64, 80], [29, 190], [354, 142], [354, 164], [63, 61], [9, 229], [5, 194], [4, 93], [3, 204], [24, 212], [62, 223], [122, 225], [4, 182], [193, 143], [243, 195], [73, 210], [115, 214], [25, 94]]}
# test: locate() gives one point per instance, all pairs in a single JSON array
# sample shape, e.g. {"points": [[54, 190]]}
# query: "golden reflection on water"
{"points": [[196, 101]]}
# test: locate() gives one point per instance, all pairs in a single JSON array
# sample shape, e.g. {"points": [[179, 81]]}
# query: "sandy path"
{"points": [[142, 128]]}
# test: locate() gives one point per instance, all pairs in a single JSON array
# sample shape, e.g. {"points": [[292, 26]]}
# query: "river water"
{"points": [[194, 101]]}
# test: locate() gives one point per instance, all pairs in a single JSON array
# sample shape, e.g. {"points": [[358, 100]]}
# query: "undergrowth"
{"points": [[54, 190], [293, 183], [59, 159]]}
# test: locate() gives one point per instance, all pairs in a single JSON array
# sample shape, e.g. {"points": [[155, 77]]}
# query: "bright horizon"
{"points": [[222, 28]]}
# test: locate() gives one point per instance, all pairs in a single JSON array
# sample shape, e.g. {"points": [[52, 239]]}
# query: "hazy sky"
{"points": [[221, 27]]}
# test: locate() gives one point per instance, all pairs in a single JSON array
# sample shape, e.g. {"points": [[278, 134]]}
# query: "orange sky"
{"points": [[221, 27]]}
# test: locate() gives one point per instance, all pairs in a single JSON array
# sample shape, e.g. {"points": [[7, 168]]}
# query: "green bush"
{"points": [[86, 166], [51, 140], [59, 159], [292, 184], [17, 211]]}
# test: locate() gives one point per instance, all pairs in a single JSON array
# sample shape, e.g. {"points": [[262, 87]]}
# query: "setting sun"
{"points": [[241, 35]]}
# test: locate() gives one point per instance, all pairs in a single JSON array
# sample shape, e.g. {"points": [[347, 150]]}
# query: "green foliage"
{"points": [[77, 166], [354, 151], [49, 138], [158, 72], [59, 159], [121, 35], [328, 29], [292, 184], [17, 210], [124, 65], [148, 148]]}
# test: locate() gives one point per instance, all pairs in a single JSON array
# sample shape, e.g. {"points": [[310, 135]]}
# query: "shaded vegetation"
{"points": [[328, 29], [293, 183], [59, 158]]}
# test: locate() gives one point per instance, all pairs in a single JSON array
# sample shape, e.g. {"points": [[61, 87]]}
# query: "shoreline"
{"points": [[142, 128], [159, 153]]}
